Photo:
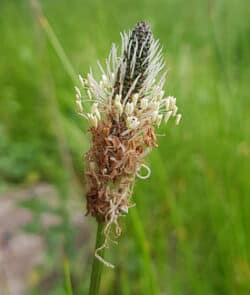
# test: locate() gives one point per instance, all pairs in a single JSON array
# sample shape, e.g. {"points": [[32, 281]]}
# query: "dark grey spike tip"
{"points": [[136, 58], [142, 26], [142, 37], [141, 32]]}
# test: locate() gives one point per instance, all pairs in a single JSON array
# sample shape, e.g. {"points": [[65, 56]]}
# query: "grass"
{"points": [[195, 208]]}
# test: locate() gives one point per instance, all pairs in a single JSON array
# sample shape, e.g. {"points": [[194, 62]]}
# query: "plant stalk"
{"points": [[68, 284], [97, 265]]}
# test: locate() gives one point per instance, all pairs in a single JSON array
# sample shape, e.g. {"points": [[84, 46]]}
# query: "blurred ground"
{"points": [[21, 252]]}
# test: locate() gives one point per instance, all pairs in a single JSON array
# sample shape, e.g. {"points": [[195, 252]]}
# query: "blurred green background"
{"points": [[190, 230]]}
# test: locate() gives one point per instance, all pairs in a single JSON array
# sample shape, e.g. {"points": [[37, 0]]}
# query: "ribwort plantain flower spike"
{"points": [[127, 104]]}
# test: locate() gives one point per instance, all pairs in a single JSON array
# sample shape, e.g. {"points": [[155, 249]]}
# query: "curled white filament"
{"points": [[146, 175]]}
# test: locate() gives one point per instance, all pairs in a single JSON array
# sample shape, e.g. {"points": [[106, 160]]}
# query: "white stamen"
{"points": [[172, 102], [118, 104], [175, 109], [135, 98], [89, 94], [167, 116], [167, 104], [124, 209], [144, 103], [78, 91], [154, 105], [132, 122], [129, 108], [178, 119], [154, 116], [95, 110], [79, 105], [81, 80], [158, 120], [92, 120], [104, 79]]}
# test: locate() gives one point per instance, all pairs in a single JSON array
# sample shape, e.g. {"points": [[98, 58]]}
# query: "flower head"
{"points": [[126, 106]]}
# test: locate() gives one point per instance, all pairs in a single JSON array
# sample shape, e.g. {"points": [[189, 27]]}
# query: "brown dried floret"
{"points": [[113, 160]]}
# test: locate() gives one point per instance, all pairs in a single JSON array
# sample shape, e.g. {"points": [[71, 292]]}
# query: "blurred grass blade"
{"points": [[68, 285], [54, 40], [144, 250], [58, 49]]}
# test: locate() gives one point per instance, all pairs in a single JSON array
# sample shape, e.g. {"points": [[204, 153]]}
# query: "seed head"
{"points": [[127, 104]]}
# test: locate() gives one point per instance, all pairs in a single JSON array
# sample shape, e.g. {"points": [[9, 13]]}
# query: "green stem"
{"points": [[68, 284], [97, 265]]}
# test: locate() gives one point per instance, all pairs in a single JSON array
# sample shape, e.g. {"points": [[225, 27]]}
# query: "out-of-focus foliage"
{"points": [[195, 208]]}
